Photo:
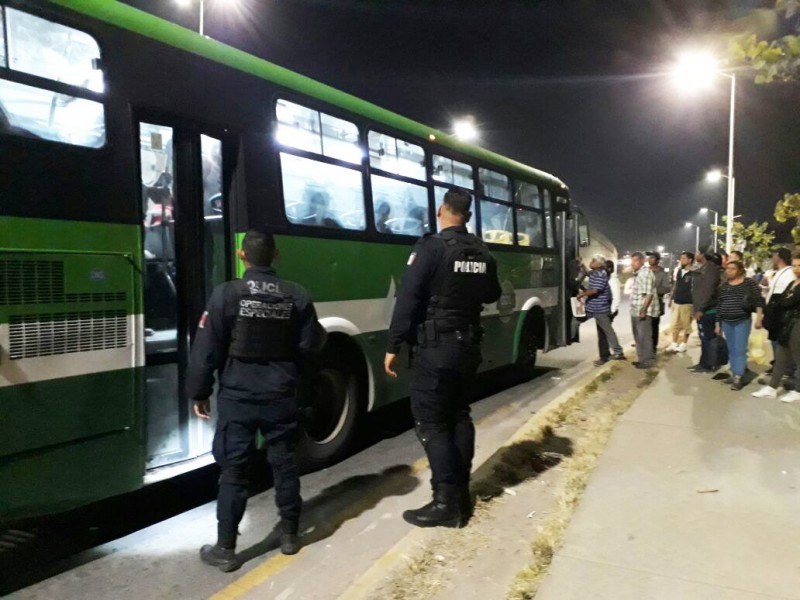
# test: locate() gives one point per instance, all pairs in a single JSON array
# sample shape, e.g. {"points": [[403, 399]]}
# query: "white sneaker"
{"points": [[673, 347], [765, 392], [681, 348], [790, 397]]}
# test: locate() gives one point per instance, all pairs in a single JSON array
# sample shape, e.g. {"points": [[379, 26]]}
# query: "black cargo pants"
{"points": [[441, 381], [234, 444]]}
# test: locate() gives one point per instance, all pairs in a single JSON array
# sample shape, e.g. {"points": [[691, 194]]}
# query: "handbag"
{"points": [[718, 352]]}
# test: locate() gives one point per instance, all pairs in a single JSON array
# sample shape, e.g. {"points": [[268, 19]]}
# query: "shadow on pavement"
{"points": [[332, 507]]}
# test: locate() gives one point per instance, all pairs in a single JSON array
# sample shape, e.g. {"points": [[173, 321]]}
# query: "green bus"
{"points": [[134, 155]]}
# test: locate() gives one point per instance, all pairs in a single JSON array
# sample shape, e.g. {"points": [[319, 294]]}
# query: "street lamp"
{"points": [[696, 70], [696, 236], [704, 211], [202, 7], [465, 129]]}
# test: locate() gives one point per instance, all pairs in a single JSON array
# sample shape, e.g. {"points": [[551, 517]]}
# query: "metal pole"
{"points": [[202, 17], [731, 184], [716, 224], [697, 240]]}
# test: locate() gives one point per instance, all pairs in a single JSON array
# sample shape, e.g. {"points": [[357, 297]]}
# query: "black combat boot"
{"points": [[443, 511], [217, 556], [465, 504], [284, 534]]}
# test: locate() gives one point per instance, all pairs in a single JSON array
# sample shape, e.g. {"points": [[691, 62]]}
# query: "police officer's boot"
{"points": [[217, 556], [465, 503], [443, 511], [285, 534]]}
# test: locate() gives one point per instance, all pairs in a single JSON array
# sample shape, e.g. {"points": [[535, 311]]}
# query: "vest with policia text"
{"points": [[265, 329], [457, 293]]}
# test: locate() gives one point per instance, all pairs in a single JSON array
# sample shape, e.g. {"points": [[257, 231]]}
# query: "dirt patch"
{"points": [[546, 467]]}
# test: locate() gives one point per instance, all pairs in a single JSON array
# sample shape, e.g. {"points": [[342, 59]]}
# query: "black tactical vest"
{"points": [[266, 322], [456, 294]]}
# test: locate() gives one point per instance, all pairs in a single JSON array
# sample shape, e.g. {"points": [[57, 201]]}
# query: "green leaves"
{"points": [[776, 60], [756, 237], [788, 209]]}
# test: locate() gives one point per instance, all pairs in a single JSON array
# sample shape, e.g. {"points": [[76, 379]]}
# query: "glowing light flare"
{"points": [[714, 176], [695, 71], [687, 224], [465, 130]]}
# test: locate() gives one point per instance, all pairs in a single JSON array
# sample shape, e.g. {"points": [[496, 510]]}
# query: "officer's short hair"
{"points": [[784, 255], [459, 202], [259, 247]]}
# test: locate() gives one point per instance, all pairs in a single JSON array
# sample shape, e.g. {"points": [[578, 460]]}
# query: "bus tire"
{"points": [[529, 342], [330, 409]]}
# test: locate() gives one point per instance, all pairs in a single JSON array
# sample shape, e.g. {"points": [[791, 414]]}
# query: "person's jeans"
{"points": [[705, 327], [737, 334]]}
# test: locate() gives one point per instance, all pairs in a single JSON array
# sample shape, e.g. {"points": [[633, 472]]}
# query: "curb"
{"points": [[535, 426]]}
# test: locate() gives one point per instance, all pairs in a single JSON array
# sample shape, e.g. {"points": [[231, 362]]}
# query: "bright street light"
{"points": [[696, 70], [465, 130], [202, 7], [714, 176], [704, 211]]}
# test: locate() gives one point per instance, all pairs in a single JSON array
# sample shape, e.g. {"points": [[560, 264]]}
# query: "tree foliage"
{"points": [[771, 60], [787, 210], [756, 238]]}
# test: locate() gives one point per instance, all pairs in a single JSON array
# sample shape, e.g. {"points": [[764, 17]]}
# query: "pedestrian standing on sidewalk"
{"points": [[705, 296], [598, 305], [780, 279], [785, 329], [450, 276], [739, 298], [681, 303], [644, 307], [663, 287]]}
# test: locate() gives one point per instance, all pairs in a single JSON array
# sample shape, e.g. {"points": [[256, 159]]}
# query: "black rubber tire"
{"points": [[528, 346], [332, 410]]}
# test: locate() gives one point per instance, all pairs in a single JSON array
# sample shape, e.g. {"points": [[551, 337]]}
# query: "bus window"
{"points": [[396, 156], [530, 229], [307, 129], [213, 217], [58, 53], [439, 193], [400, 208], [447, 170], [583, 231], [528, 195], [548, 218], [495, 185], [322, 195], [497, 224]]}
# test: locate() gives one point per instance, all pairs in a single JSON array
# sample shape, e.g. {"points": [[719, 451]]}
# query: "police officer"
{"points": [[450, 276], [257, 332]]}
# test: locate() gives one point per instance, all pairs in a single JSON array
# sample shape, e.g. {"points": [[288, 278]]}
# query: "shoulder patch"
{"points": [[411, 259], [202, 324]]}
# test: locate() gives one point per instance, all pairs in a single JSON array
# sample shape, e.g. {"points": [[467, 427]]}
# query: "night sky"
{"points": [[574, 87]]}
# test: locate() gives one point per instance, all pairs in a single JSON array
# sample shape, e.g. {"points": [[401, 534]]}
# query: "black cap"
{"points": [[654, 253]]}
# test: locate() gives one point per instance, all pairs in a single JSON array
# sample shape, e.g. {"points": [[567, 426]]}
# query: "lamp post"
{"points": [[716, 222], [696, 70], [696, 236]]}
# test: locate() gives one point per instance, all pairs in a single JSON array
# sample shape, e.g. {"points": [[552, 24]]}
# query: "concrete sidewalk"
{"points": [[696, 496]]}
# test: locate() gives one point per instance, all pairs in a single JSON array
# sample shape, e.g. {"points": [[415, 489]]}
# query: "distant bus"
{"points": [[135, 154]]}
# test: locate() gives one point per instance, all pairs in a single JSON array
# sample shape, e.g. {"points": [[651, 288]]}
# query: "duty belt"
{"points": [[430, 332]]}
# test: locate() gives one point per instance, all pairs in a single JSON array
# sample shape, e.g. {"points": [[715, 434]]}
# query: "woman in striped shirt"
{"points": [[739, 297]]}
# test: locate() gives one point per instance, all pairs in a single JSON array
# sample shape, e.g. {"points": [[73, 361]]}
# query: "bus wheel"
{"points": [[331, 410], [528, 345]]}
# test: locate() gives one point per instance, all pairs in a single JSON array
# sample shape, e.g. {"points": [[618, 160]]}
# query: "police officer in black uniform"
{"points": [[257, 332], [450, 276]]}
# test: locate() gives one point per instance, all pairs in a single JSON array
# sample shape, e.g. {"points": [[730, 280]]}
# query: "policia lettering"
{"points": [[437, 313], [256, 334]]}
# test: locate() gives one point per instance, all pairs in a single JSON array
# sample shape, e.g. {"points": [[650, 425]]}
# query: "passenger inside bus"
{"points": [[382, 213], [317, 211]]}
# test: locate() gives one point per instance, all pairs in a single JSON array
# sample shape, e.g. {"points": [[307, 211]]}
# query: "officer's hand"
{"points": [[202, 408], [388, 363]]}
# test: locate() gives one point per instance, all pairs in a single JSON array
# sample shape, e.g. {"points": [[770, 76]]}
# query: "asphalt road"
{"points": [[145, 544]]}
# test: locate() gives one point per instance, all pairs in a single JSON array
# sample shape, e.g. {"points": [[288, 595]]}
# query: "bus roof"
{"points": [[145, 24]]}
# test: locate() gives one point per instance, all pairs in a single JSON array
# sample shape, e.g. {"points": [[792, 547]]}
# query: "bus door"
{"points": [[185, 242]]}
